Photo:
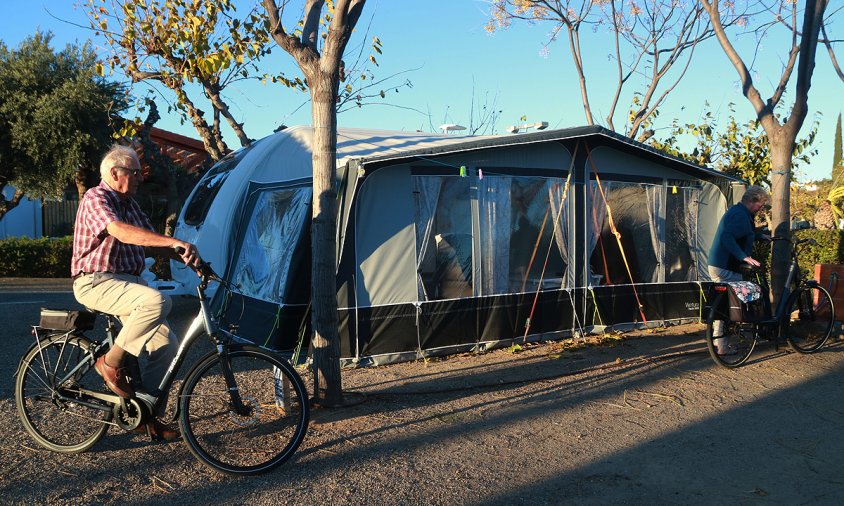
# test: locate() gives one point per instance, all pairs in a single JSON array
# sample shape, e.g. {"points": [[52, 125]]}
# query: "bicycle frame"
{"points": [[204, 322]]}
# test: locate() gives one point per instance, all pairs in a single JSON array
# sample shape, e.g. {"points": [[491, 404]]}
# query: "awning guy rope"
{"points": [[615, 231]]}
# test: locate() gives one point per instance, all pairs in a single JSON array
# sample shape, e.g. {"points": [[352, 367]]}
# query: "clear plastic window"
{"points": [[262, 267], [681, 224], [444, 237], [489, 236], [208, 186], [635, 211]]}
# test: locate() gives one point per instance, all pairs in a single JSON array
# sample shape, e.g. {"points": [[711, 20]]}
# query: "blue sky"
{"points": [[442, 48]]}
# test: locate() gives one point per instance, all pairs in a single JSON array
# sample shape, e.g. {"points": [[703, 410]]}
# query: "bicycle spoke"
{"points": [[260, 438], [808, 321], [59, 425]]}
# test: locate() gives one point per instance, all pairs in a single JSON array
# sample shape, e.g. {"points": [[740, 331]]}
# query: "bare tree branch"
{"points": [[828, 44]]}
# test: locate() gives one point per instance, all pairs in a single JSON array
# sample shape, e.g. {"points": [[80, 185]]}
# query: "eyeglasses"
{"points": [[134, 172]]}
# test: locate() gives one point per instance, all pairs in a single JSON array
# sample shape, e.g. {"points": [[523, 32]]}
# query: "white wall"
{"points": [[22, 221]]}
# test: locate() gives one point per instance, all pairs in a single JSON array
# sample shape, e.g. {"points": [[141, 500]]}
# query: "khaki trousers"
{"points": [[142, 311]]}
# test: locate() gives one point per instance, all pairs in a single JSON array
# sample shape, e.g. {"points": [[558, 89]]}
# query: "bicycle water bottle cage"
{"points": [[66, 319]]}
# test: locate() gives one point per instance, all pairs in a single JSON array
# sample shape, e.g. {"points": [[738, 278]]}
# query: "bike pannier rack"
{"points": [[65, 319]]}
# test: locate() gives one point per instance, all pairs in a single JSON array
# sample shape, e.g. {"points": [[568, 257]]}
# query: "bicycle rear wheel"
{"points": [[261, 437], [808, 320], [51, 402], [739, 341]]}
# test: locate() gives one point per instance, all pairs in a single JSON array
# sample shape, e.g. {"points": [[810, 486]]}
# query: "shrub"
{"points": [[830, 249], [49, 258], [35, 258]]}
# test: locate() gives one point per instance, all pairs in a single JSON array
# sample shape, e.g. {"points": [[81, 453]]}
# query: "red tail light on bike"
{"points": [[720, 288]]}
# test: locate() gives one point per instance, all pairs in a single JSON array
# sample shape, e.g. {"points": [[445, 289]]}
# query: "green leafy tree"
{"points": [[741, 149], [782, 132], [55, 118], [180, 43], [198, 49], [808, 200]]}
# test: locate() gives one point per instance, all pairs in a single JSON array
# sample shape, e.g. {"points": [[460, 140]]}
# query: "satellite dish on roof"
{"points": [[451, 127]]}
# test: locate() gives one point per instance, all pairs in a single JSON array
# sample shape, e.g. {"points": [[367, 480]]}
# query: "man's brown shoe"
{"points": [[158, 431], [115, 378]]}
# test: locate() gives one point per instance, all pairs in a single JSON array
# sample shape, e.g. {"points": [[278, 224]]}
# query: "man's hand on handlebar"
{"points": [[188, 253]]}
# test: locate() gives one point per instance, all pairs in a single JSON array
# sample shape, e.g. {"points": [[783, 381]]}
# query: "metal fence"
{"points": [[58, 217]]}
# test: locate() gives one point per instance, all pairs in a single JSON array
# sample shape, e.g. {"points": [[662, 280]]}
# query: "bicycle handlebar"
{"points": [[796, 242], [203, 269]]}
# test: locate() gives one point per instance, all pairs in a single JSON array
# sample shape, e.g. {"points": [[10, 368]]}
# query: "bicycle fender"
{"points": [[20, 362], [714, 305]]}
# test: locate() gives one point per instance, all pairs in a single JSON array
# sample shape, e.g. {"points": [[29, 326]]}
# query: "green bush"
{"points": [[830, 249], [49, 258], [35, 258]]}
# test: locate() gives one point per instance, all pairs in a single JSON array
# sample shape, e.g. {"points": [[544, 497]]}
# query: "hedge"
{"points": [[48, 258], [35, 258], [830, 249]]}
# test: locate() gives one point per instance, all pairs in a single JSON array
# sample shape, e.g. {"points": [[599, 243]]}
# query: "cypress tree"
{"points": [[837, 166]]}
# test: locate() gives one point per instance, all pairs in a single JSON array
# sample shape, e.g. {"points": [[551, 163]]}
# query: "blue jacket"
{"points": [[733, 239]]}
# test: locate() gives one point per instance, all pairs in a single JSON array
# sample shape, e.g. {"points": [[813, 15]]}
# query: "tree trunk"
{"points": [[8, 205], [173, 204], [79, 180], [215, 146], [326, 340], [782, 146]]}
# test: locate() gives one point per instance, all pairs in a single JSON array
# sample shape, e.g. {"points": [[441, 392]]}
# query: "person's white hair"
{"points": [[755, 193], [117, 156]]}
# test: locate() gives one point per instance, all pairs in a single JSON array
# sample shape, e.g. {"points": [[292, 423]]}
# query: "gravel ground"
{"points": [[643, 417]]}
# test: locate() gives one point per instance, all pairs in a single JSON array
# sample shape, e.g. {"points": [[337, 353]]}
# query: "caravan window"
{"points": [[274, 221], [207, 188], [488, 236]]}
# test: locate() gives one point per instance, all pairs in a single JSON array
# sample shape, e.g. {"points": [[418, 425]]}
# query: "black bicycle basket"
{"points": [[66, 319]]}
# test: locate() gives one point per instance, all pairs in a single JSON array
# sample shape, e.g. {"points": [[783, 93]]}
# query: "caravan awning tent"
{"points": [[450, 243]]}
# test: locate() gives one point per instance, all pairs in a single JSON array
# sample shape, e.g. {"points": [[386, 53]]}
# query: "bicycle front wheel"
{"points": [[259, 435], [808, 320], [52, 399], [738, 341]]}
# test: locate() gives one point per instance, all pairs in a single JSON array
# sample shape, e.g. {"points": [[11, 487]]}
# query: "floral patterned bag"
{"points": [[746, 302]]}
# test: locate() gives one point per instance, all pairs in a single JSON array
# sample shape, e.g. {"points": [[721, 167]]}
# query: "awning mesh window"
{"points": [[489, 236]]}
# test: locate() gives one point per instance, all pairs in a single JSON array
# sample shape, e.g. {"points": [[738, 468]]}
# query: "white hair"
{"points": [[117, 155]]}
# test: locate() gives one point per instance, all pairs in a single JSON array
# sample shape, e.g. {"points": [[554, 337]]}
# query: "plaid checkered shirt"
{"points": [[94, 250]]}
